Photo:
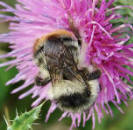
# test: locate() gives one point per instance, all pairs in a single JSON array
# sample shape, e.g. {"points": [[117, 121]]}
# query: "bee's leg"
{"points": [[94, 75], [42, 82], [90, 76]]}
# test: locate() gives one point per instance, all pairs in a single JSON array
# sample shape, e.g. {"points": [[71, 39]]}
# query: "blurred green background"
{"points": [[10, 105]]}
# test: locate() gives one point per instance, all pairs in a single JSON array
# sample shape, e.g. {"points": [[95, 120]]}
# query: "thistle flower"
{"points": [[106, 47]]}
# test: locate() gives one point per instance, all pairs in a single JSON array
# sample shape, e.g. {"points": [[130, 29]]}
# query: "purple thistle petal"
{"points": [[120, 7], [9, 8], [93, 120], [98, 110], [8, 63], [25, 85], [63, 116], [84, 119], [26, 93], [118, 107], [110, 111], [51, 110]]}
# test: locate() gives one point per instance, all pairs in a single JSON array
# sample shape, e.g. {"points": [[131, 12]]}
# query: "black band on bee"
{"points": [[75, 100]]}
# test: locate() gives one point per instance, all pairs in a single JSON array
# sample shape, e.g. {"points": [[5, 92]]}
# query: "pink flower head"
{"points": [[105, 47]]}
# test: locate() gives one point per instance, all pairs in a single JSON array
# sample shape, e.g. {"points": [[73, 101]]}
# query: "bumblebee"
{"points": [[58, 56]]}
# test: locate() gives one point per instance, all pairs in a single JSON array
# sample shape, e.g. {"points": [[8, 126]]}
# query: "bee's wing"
{"points": [[71, 67]]}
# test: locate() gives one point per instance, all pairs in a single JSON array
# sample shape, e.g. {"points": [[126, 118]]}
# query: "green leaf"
{"points": [[25, 121], [4, 77]]}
